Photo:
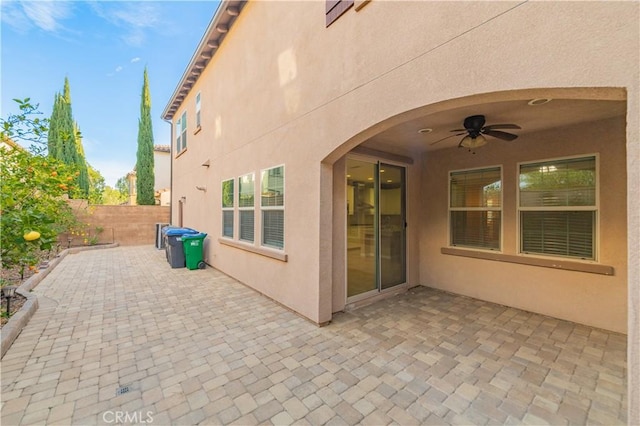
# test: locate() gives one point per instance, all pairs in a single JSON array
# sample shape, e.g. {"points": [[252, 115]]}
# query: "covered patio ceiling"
{"points": [[414, 136]]}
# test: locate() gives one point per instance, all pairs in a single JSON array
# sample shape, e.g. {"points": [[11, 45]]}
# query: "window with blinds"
{"points": [[558, 207], [272, 206], [227, 208], [246, 195], [475, 208]]}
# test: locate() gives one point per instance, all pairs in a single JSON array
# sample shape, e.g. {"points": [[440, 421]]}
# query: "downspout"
{"points": [[170, 170]]}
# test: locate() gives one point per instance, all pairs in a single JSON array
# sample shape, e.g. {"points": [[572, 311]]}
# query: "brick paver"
{"points": [[196, 347]]}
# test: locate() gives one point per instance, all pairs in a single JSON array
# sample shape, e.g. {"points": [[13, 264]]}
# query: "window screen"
{"points": [[475, 208], [227, 208], [272, 204], [246, 196], [558, 207]]}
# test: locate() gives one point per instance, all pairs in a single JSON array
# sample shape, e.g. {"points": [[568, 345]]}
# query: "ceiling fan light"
{"points": [[471, 143]]}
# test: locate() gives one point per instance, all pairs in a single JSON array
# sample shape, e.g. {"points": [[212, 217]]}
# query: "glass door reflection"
{"points": [[362, 270], [376, 237], [392, 232]]}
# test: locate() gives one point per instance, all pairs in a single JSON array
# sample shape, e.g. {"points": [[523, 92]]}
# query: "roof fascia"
{"points": [[223, 19]]}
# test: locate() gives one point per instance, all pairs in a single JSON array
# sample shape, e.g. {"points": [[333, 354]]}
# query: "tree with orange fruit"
{"points": [[33, 209]]}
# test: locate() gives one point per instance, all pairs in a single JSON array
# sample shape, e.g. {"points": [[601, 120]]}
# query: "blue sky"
{"points": [[102, 47]]}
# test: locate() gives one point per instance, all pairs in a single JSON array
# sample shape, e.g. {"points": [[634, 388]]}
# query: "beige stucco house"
{"points": [[318, 144], [161, 175]]}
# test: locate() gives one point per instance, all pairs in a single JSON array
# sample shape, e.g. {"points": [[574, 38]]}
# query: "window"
{"points": [[335, 8], [272, 205], [178, 133], [198, 106], [475, 208], [246, 195], [227, 208], [181, 133], [558, 206]]}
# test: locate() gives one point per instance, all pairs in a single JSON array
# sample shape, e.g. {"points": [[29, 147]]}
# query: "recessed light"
{"points": [[370, 178], [381, 170], [348, 175], [539, 101], [426, 130], [389, 180]]}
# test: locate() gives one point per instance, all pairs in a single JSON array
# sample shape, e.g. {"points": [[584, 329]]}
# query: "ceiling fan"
{"points": [[475, 129]]}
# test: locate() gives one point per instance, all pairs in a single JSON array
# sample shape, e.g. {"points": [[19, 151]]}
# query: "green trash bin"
{"points": [[193, 250]]}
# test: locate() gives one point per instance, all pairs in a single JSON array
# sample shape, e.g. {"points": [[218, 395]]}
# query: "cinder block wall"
{"points": [[129, 225]]}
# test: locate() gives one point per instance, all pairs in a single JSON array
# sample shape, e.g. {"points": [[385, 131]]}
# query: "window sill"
{"points": [[197, 130], [181, 152], [263, 251], [360, 4], [564, 264]]}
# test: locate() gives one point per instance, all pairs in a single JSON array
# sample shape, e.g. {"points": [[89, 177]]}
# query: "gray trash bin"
{"points": [[175, 249]]}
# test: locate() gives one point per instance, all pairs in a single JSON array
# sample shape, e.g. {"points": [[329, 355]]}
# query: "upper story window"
{"points": [[558, 205], [246, 196], [272, 206], [335, 8], [227, 207], [475, 208], [181, 133], [198, 106]]}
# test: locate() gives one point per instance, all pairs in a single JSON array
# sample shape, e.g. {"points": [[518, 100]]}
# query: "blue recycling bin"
{"points": [[174, 247]]}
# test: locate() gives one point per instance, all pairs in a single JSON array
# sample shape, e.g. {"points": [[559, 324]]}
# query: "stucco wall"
{"points": [[586, 298], [282, 89], [161, 170]]}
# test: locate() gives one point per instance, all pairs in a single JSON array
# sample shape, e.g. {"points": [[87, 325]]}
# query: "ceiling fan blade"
{"points": [[447, 137], [500, 135], [458, 130], [502, 126]]}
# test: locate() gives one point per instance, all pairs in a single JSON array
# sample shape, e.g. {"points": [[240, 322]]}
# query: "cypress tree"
{"points": [[67, 91], [144, 158], [83, 178], [53, 139], [69, 154], [63, 143]]}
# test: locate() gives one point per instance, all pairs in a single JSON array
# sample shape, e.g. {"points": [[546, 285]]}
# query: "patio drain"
{"points": [[122, 390]]}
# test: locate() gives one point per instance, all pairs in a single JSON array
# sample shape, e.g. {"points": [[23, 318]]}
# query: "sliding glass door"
{"points": [[376, 237]]}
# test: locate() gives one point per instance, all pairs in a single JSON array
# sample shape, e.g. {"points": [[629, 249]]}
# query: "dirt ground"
{"points": [[12, 277], [16, 303]]}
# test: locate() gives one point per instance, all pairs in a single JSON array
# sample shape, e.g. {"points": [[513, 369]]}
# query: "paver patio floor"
{"points": [[197, 347]]}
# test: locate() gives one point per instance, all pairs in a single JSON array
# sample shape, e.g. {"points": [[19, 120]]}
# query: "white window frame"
{"points": [[595, 208], [229, 208], [272, 208], [246, 208], [181, 134], [177, 135], [499, 209], [198, 109]]}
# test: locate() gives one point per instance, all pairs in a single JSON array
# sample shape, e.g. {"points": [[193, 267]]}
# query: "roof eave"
{"points": [[222, 20]]}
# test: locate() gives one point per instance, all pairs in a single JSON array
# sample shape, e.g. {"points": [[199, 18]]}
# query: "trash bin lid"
{"points": [[200, 235], [179, 231]]}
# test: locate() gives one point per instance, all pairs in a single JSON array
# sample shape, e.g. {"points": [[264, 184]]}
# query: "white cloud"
{"points": [[119, 68], [13, 16], [134, 17], [136, 59], [46, 15]]}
